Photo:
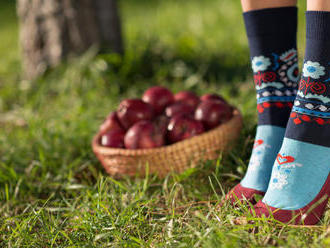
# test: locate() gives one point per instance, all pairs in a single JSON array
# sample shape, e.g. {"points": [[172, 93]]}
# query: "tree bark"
{"points": [[51, 31]]}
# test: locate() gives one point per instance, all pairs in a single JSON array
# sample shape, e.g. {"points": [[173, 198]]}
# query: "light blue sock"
{"points": [[300, 170], [266, 146]]}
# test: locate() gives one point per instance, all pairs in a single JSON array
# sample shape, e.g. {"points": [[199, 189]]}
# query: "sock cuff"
{"points": [[271, 22], [318, 25]]}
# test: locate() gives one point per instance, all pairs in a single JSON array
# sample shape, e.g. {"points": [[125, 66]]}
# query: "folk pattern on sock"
{"points": [[266, 146], [297, 177], [259, 148], [310, 117], [276, 78], [313, 101], [283, 167], [276, 81]]}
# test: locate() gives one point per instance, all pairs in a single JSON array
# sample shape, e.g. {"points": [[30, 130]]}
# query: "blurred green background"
{"points": [[205, 34]]}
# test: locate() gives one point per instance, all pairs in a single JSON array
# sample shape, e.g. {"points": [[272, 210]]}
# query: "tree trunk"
{"points": [[51, 31]]}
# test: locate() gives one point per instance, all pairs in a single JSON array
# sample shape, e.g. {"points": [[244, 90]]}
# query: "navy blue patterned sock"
{"points": [[272, 40], [310, 119], [300, 177], [273, 49]]}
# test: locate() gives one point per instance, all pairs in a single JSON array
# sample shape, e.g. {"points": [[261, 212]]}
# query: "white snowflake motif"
{"points": [[278, 180], [259, 149], [313, 70], [255, 162], [260, 63]]}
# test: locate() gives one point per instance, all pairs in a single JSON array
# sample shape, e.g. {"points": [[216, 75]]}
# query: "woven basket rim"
{"points": [[97, 148]]}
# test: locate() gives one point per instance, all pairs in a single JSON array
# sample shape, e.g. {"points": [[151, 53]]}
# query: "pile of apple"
{"points": [[161, 118]]}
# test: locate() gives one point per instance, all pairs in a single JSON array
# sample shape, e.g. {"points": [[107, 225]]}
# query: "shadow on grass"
{"points": [[156, 61]]}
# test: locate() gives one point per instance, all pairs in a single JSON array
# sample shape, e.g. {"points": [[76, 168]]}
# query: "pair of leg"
{"points": [[290, 161]]}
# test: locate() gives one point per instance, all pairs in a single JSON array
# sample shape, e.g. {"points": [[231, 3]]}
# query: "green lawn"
{"points": [[53, 191]]}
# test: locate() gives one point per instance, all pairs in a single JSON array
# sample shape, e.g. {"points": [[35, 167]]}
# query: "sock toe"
{"points": [[308, 215]]}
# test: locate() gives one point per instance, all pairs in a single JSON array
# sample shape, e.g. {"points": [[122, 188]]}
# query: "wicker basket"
{"points": [[176, 157]]}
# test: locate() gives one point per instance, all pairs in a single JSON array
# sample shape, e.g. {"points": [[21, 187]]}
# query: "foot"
{"points": [[274, 64], [299, 187]]}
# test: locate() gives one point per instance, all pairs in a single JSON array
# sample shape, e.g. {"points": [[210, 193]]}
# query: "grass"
{"points": [[53, 191]]}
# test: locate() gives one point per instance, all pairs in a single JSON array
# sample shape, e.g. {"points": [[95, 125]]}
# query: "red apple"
{"points": [[131, 111], [213, 97], [111, 123], [143, 134], [113, 138], [158, 97], [161, 123], [181, 108], [188, 97], [212, 113], [183, 127]]}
